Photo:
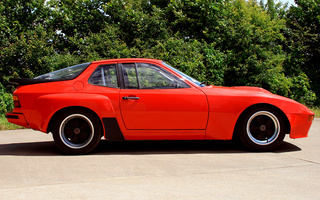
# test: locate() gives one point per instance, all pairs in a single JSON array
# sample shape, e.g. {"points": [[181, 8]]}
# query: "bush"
{"points": [[6, 103]]}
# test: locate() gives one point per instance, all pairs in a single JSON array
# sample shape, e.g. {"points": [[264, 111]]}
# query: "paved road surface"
{"points": [[31, 167]]}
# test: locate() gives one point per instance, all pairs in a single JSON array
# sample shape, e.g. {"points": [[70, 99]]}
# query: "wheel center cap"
{"points": [[263, 127], [76, 131]]}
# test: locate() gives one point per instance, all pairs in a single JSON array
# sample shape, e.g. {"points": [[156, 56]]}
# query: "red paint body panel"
{"points": [[227, 104], [299, 125], [17, 118], [41, 113], [166, 109], [193, 113]]}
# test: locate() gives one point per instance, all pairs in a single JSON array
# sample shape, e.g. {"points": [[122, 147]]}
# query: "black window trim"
{"points": [[120, 75], [138, 79], [123, 86]]}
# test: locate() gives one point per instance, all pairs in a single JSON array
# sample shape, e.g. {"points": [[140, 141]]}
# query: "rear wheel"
{"points": [[77, 132], [262, 129]]}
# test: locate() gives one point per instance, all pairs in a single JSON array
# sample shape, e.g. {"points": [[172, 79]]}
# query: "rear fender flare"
{"points": [[47, 105]]}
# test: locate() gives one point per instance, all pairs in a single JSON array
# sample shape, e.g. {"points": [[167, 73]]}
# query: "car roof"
{"points": [[128, 60]]}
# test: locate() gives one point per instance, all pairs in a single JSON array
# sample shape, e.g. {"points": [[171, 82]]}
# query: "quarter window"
{"points": [[105, 75]]}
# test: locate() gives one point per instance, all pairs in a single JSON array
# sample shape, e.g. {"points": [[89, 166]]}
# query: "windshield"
{"points": [[185, 76], [65, 74]]}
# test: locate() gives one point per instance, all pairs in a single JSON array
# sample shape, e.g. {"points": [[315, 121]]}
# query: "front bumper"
{"points": [[300, 125], [17, 118]]}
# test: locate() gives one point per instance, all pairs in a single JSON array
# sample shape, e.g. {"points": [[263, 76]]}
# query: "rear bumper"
{"points": [[17, 118]]}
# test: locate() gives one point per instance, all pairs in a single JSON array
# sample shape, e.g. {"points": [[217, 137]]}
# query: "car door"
{"points": [[154, 99]]}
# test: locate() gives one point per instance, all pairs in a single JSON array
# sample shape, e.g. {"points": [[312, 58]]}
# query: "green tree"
{"points": [[303, 43], [255, 57], [233, 42], [184, 55], [24, 38]]}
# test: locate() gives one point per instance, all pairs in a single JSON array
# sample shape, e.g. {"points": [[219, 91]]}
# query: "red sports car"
{"points": [[146, 99]]}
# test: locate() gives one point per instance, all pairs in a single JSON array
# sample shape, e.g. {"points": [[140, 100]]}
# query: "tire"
{"points": [[77, 132], [262, 129]]}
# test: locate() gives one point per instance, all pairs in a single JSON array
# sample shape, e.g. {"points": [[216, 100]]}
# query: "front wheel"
{"points": [[76, 132], [262, 129]]}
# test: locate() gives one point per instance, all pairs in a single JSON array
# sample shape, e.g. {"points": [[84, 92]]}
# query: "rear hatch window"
{"points": [[64, 74], [59, 75]]}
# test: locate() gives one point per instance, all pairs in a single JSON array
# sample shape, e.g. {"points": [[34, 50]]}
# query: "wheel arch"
{"points": [[283, 115], [57, 113]]}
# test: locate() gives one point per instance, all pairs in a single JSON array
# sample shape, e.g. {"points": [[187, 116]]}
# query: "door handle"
{"points": [[130, 98]]}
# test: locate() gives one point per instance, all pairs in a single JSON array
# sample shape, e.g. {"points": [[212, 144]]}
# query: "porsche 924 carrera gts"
{"points": [[147, 99]]}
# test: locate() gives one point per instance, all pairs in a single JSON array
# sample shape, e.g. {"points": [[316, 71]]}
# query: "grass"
{"points": [[5, 125], [316, 111]]}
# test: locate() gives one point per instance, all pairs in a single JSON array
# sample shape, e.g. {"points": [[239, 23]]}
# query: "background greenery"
{"points": [[223, 42]]}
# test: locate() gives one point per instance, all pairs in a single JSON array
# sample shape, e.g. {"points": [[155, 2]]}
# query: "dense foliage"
{"points": [[223, 42]]}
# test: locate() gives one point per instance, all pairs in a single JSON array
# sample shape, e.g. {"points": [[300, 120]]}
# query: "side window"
{"points": [[130, 76], [105, 75], [153, 77]]}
